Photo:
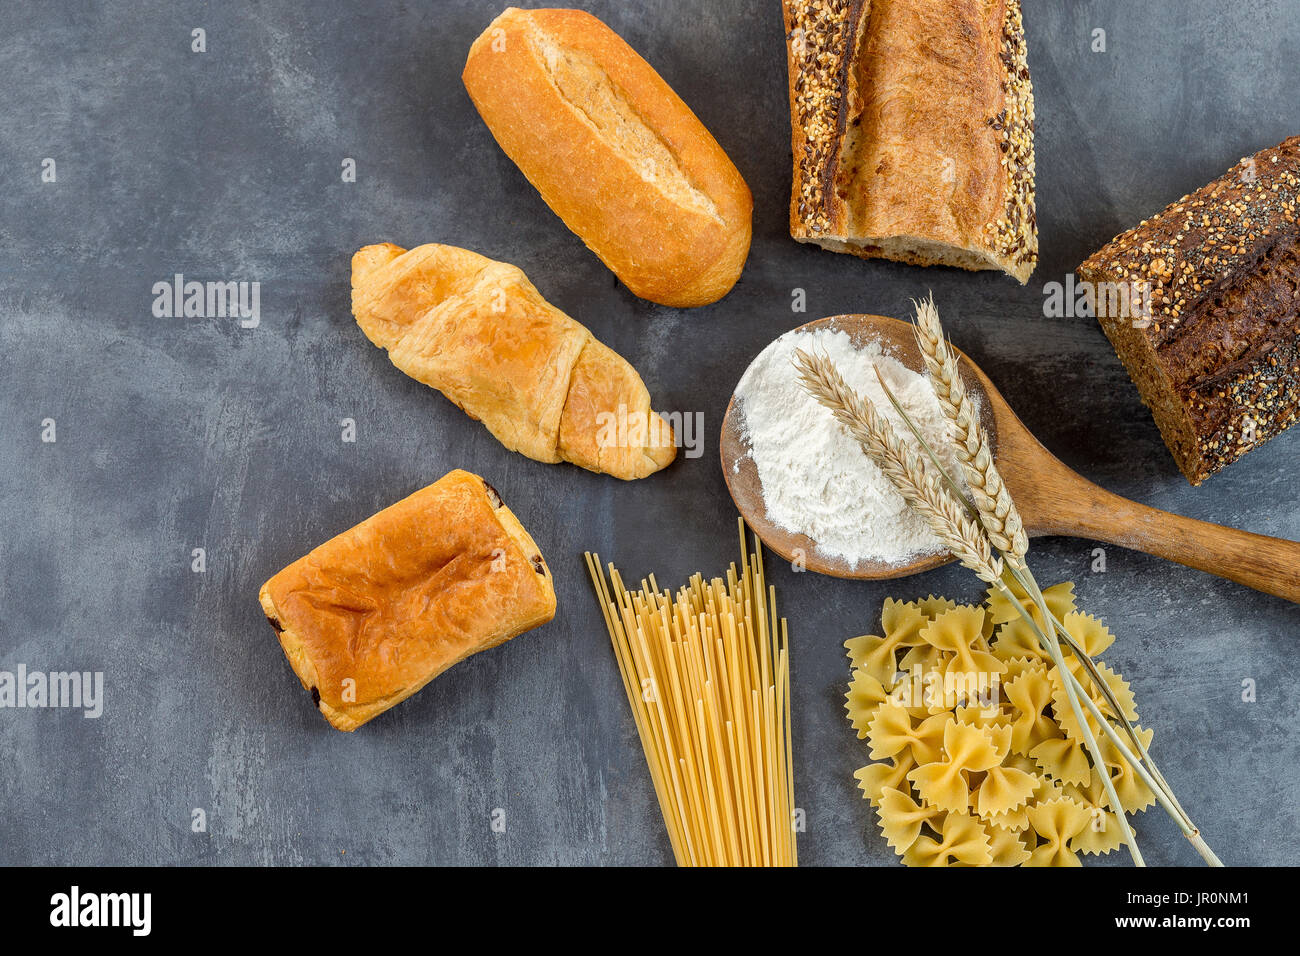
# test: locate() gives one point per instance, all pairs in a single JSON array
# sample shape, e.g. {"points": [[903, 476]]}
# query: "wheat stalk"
{"points": [[902, 466], [998, 513], [948, 519], [992, 500], [948, 513], [1001, 520]]}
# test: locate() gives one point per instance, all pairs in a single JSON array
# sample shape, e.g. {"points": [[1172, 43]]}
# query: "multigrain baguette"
{"points": [[1213, 342], [614, 152], [479, 332], [912, 127]]}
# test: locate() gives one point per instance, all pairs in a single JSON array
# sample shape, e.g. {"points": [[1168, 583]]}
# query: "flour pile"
{"points": [[816, 479]]}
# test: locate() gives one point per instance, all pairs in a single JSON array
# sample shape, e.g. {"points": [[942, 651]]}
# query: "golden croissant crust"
{"points": [[479, 332]]}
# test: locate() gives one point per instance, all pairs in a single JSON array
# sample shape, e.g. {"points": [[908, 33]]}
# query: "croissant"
{"points": [[479, 332]]}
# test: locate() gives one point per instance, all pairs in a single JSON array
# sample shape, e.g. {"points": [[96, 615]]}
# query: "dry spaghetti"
{"points": [[707, 675]]}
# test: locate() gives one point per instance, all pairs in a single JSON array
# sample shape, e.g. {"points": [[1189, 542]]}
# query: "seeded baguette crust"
{"points": [[614, 152], [1218, 358], [374, 614], [912, 126]]}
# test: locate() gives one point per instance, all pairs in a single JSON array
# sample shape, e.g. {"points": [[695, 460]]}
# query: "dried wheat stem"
{"points": [[973, 542], [997, 511], [903, 467]]}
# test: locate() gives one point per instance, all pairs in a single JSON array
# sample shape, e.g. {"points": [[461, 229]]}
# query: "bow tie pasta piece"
{"points": [[891, 731], [1044, 790], [1003, 789], [924, 659], [1016, 639], [943, 783], [961, 839], [986, 718], [1059, 599], [876, 655], [932, 606], [1030, 694], [1119, 688], [1065, 759], [1015, 821], [1057, 822], [1090, 634], [1134, 795], [1007, 847], [1102, 835], [864, 696], [1016, 666], [959, 634], [901, 818], [875, 778]]}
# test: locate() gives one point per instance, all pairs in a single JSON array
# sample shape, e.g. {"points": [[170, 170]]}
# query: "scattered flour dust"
{"points": [[816, 479]]}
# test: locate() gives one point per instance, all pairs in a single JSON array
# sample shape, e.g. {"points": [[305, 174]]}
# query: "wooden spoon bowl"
{"points": [[1052, 499]]}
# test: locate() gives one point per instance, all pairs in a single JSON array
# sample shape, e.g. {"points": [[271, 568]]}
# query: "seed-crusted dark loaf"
{"points": [[1217, 358], [912, 126]]}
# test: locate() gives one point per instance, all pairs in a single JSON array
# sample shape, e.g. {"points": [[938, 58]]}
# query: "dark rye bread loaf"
{"points": [[912, 127], [1217, 354]]}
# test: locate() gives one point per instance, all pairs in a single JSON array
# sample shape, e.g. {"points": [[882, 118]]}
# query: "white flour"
{"points": [[816, 479]]}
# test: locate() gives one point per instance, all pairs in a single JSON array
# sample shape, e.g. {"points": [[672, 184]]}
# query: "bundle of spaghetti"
{"points": [[707, 675]]}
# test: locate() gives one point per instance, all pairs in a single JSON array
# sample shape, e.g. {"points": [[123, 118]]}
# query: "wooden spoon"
{"points": [[1053, 500]]}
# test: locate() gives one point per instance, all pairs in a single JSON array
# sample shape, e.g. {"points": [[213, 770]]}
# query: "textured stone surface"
{"points": [[175, 434]]}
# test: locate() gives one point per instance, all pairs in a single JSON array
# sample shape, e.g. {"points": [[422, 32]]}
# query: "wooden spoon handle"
{"points": [[1271, 565]]}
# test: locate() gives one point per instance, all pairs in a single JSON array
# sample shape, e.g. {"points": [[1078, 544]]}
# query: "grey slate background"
{"points": [[175, 434]]}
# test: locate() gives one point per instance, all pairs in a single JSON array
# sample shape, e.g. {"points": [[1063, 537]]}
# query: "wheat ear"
{"points": [[997, 511], [906, 470]]}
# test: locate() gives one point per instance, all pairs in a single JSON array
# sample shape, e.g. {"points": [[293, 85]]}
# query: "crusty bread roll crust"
{"points": [[614, 152], [912, 131], [1216, 356], [479, 332], [374, 614]]}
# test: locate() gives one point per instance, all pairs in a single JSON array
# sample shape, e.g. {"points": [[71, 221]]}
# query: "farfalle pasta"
{"points": [[1030, 695], [979, 758], [945, 782], [961, 840], [1056, 823], [865, 695], [875, 778], [1004, 789], [1064, 759], [874, 655], [893, 730], [901, 817]]}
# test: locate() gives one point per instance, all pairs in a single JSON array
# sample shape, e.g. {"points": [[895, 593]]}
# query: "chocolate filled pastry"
{"points": [[374, 614], [479, 332]]}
